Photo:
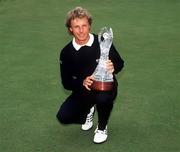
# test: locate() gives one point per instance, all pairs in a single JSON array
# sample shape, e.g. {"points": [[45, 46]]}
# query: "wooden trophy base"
{"points": [[102, 86]]}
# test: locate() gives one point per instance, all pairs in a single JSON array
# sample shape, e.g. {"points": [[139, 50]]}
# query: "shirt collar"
{"points": [[89, 43]]}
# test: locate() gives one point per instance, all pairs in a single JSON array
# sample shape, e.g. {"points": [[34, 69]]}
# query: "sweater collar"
{"points": [[89, 43]]}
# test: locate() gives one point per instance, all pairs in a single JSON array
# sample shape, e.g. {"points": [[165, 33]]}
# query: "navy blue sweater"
{"points": [[75, 65]]}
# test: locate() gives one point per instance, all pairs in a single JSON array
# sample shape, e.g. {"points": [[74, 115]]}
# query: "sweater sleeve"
{"points": [[69, 81], [116, 59]]}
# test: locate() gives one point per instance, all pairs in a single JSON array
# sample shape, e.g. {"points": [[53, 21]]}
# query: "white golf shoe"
{"points": [[89, 120], [100, 135]]}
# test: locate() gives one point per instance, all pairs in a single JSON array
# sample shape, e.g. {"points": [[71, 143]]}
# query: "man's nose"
{"points": [[81, 29]]}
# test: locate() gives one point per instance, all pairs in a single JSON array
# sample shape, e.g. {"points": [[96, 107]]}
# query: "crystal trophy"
{"points": [[102, 78]]}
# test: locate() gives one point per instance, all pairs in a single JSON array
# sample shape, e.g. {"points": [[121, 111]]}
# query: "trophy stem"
{"points": [[102, 86]]}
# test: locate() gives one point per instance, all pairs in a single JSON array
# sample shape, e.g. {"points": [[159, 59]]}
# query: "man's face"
{"points": [[80, 28]]}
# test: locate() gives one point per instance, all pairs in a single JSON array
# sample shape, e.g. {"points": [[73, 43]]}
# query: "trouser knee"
{"points": [[62, 118]]}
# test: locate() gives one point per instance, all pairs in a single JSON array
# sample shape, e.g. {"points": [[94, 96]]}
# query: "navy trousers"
{"points": [[76, 107]]}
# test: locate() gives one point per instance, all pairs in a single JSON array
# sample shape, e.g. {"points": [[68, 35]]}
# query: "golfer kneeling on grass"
{"points": [[78, 60]]}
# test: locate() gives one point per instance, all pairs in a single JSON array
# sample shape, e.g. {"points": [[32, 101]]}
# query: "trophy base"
{"points": [[102, 86]]}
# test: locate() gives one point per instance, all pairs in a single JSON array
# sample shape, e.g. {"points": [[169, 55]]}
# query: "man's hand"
{"points": [[110, 66], [88, 82]]}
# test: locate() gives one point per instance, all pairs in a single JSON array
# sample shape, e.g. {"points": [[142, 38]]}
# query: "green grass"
{"points": [[146, 116]]}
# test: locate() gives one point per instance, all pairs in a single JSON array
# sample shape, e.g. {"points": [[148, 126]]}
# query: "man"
{"points": [[78, 60]]}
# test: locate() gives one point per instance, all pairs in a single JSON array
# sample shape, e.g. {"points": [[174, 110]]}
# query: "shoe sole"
{"points": [[100, 142]]}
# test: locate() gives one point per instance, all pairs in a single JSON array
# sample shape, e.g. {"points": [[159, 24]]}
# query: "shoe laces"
{"points": [[101, 131]]}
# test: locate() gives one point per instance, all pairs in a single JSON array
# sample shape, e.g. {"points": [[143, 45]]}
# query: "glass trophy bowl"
{"points": [[102, 78]]}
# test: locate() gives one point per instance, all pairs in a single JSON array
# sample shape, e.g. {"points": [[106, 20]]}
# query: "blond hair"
{"points": [[77, 12]]}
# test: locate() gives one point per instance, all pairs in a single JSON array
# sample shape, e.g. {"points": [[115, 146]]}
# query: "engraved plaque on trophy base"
{"points": [[102, 86]]}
